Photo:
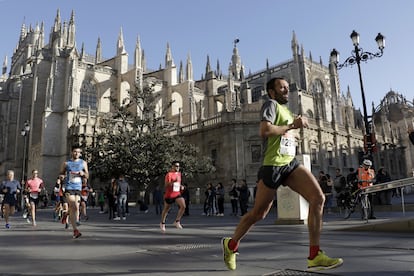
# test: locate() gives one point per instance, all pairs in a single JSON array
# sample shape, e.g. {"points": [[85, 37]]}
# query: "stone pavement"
{"points": [[137, 247]]}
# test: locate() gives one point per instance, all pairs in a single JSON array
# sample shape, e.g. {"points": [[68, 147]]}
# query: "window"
{"points": [[256, 153], [344, 159], [314, 156], [88, 95], [329, 157], [257, 93], [214, 156]]}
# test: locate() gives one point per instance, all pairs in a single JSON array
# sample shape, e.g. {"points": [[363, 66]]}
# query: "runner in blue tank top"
{"points": [[74, 171]]}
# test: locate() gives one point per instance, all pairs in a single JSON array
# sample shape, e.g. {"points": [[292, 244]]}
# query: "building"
{"points": [[62, 93]]}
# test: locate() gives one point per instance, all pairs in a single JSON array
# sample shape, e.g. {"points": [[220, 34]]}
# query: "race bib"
{"points": [[287, 145], [74, 178], [34, 195], [176, 186]]}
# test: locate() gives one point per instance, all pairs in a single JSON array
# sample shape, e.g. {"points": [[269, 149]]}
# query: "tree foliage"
{"points": [[134, 140]]}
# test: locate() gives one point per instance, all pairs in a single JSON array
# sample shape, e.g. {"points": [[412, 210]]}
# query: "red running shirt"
{"points": [[172, 185]]}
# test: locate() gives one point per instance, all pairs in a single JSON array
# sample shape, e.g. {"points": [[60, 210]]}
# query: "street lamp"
{"points": [[357, 56], [25, 133]]}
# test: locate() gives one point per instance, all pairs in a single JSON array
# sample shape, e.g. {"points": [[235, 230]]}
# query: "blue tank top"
{"points": [[73, 179]]}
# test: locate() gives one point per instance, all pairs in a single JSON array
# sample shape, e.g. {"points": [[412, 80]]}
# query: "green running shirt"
{"points": [[277, 150]]}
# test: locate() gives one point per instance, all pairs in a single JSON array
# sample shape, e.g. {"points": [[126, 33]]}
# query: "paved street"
{"points": [[137, 247]]}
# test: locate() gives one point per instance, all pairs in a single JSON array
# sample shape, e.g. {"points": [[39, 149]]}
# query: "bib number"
{"points": [[74, 178], [287, 145], [176, 186]]}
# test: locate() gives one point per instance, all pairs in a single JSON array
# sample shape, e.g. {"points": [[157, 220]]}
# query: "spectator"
{"points": [[244, 195], [384, 197], [234, 197]]}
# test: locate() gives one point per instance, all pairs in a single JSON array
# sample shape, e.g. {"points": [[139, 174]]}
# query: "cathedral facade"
{"points": [[62, 93]]}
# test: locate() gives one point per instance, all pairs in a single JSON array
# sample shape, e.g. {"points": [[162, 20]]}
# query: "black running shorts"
{"points": [[274, 176]]}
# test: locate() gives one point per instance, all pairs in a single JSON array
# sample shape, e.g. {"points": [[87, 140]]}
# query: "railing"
{"points": [[401, 183]]}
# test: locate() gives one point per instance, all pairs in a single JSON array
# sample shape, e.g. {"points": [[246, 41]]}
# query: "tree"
{"points": [[135, 140]]}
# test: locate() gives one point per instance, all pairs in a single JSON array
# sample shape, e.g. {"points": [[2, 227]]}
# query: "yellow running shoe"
{"points": [[322, 261], [228, 255]]}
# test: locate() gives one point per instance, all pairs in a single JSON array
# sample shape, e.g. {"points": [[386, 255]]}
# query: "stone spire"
{"points": [[189, 69], [138, 54], [120, 44], [71, 39], [169, 62], [98, 52], [4, 69], [181, 73]]}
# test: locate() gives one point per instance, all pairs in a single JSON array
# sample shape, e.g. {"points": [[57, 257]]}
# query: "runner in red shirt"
{"points": [[34, 185], [172, 193]]}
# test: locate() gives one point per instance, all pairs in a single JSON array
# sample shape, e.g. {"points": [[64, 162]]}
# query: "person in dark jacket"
{"points": [[244, 195], [384, 197]]}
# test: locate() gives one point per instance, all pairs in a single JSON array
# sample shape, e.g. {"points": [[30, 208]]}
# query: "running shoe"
{"points": [[228, 255], [8, 226], [66, 225], [76, 234], [178, 225], [322, 261], [162, 227]]}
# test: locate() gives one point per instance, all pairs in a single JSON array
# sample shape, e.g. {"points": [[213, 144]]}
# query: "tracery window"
{"points": [[88, 95]]}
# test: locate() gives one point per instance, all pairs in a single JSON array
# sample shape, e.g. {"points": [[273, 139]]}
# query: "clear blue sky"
{"points": [[264, 28]]}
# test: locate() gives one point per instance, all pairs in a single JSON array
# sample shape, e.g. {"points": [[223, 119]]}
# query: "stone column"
{"points": [[291, 207]]}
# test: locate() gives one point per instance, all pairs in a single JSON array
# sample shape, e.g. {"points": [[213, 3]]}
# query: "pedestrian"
{"points": [[158, 199], [365, 178], [101, 200], [351, 180], [10, 188], [112, 196], [33, 186], [244, 195], [210, 194], [123, 191], [85, 192], [280, 167], [383, 177], [234, 197], [186, 196], [75, 170], [220, 199], [173, 189], [339, 187]]}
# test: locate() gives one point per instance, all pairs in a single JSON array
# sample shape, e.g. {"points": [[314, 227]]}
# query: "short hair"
{"points": [[271, 83], [76, 146]]}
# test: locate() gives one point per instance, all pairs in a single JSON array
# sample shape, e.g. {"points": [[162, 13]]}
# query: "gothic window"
{"points": [[344, 159], [317, 87], [222, 90], [88, 95], [256, 153], [309, 114], [314, 156], [319, 97], [257, 93], [329, 157], [214, 156]]}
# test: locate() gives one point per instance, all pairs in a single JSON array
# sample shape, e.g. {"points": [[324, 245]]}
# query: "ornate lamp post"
{"points": [[25, 133], [358, 55]]}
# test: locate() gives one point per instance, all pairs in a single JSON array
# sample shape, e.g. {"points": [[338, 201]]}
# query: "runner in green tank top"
{"points": [[280, 167]]}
